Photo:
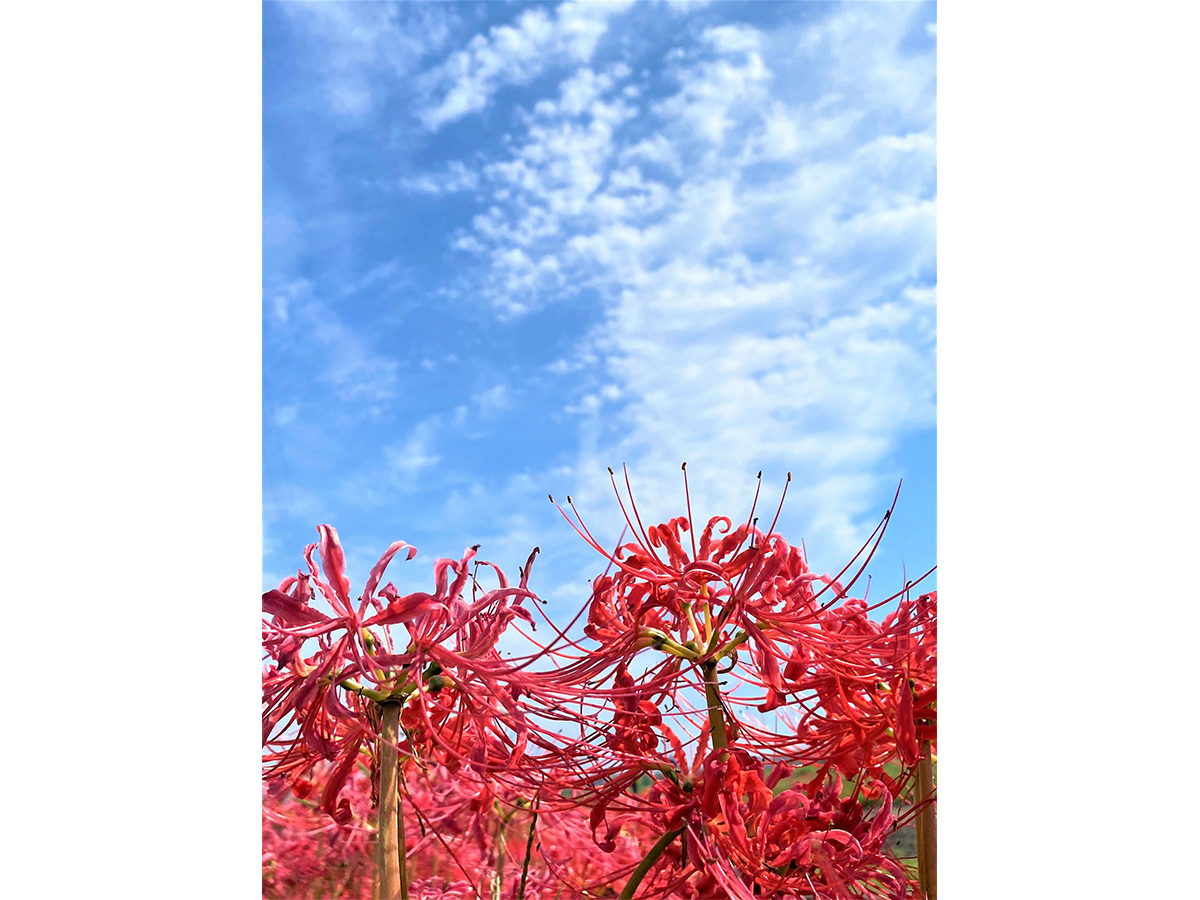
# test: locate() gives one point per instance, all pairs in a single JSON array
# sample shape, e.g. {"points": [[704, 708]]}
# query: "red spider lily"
{"points": [[644, 738], [807, 837], [886, 706], [747, 592], [462, 835], [690, 605], [323, 706]]}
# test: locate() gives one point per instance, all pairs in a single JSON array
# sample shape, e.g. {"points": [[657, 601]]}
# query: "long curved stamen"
{"points": [[881, 528], [616, 550], [579, 518], [595, 545], [691, 524], [750, 518], [633, 506], [775, 521], [646, 544], [613, 478], [585, 534], [903, 592]]}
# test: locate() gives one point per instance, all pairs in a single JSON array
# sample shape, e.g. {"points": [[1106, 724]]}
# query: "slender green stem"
{"points": [[926, 825], [402, 853], [646, 864], [716, 715], [528, 853], [500, 851], [400, 694], [390, 883], [732, 646], [378, 696]]}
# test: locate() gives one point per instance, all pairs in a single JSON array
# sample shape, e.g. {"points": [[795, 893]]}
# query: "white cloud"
{"points": [[580, 91], [404, 466], [657, 149], [859, 50], [282, 298], [369, 46], [494, 400], [733, 38], [285, 415], [716, 93], [351, 366], [514, 54], [456, 177], [390, 273], [415, 451], [763, 312]]}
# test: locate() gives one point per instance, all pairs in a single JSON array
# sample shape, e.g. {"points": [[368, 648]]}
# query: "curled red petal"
{"points": [[333, 562], [379, 567], [337, 779], [404, 609], [289, 610]]}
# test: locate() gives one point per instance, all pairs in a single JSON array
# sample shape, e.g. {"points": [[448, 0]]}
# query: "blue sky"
{"points": [[508, 245]]}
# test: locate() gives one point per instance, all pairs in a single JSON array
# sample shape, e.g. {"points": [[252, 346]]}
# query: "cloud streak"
{"points": [[514, 54]]}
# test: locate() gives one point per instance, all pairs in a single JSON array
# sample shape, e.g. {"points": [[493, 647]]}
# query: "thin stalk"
{"points": [[926, 826], [528, 852], [646, 864], [391, 885], [402, 853], [500, 851], [716, 716]]}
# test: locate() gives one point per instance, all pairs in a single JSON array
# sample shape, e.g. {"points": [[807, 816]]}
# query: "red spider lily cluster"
{"points": [[460, 845], [729, 724]]}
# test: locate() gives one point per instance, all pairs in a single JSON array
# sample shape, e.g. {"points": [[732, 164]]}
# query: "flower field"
{"points": [[719, 721]]}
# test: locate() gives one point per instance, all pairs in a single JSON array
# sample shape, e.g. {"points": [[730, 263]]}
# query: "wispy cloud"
{"points": [[514, 54], [456, 177], [415, 452], [343, 357], [493, 401], [367, 47], [351, 366]]}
